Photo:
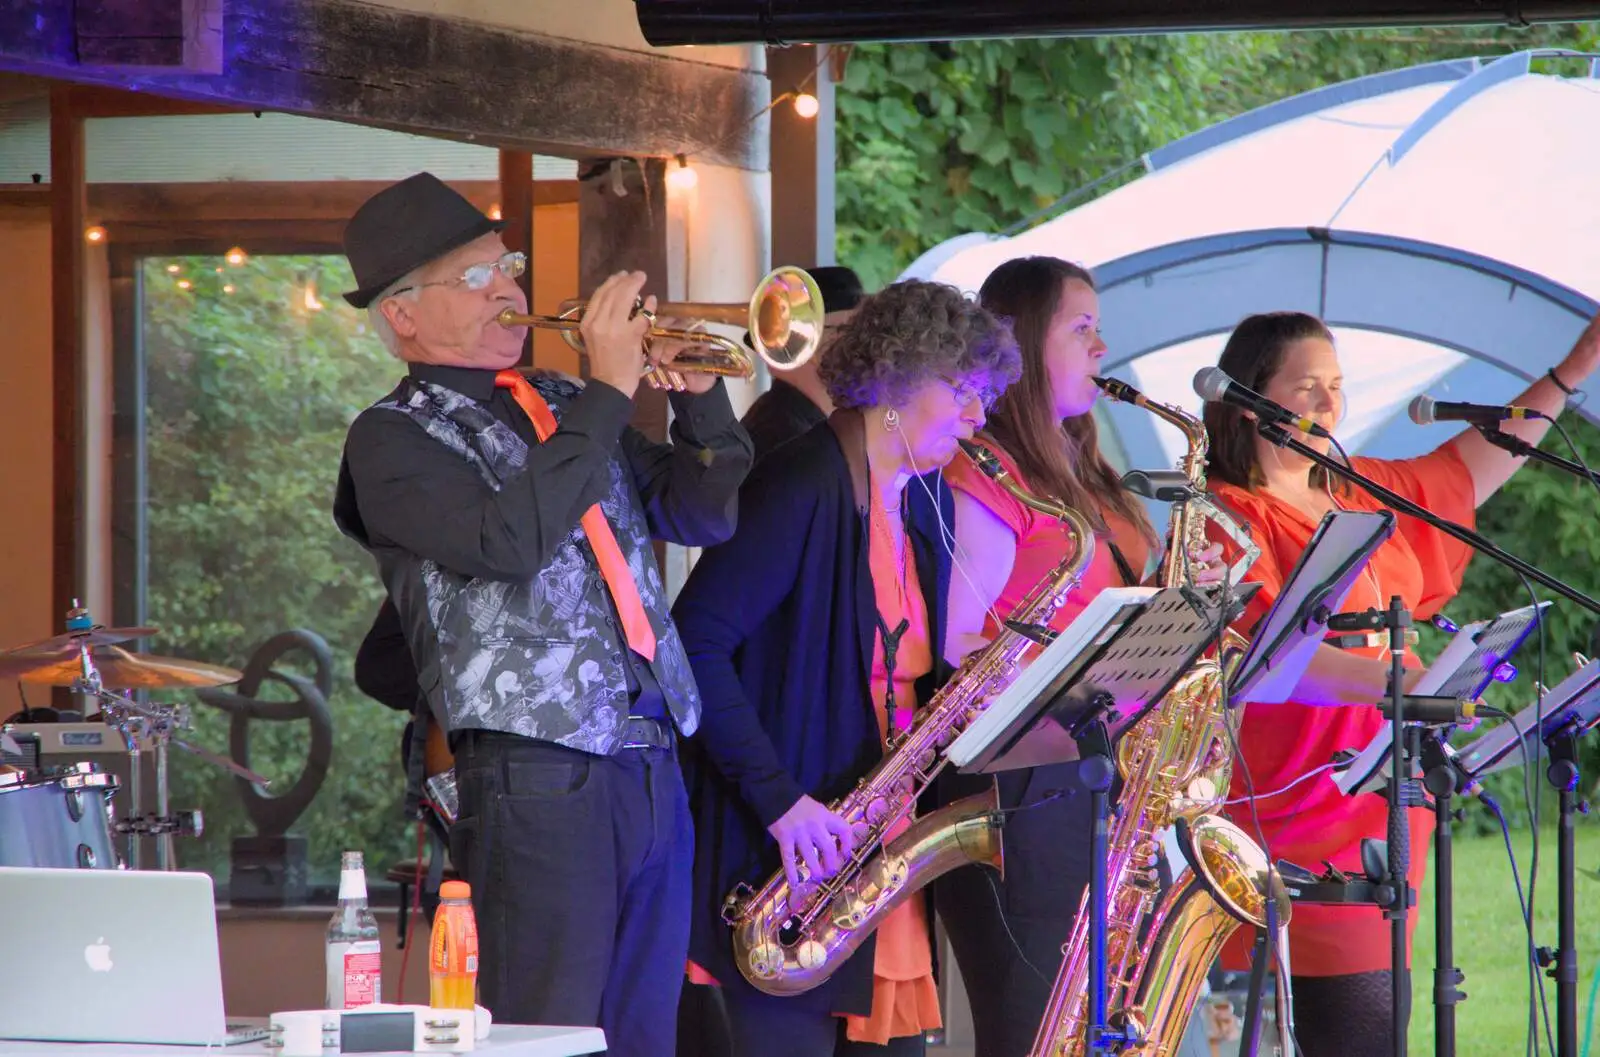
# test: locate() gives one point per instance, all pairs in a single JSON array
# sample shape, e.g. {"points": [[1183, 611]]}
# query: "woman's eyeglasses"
{"points": [[967, 391], [479, 276]]}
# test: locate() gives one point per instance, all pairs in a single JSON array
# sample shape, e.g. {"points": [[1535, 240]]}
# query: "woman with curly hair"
{"points": [[814, 632]]}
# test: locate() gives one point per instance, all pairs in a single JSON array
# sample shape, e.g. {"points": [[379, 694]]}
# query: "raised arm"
{"points": [[413, 492], [1492, 467], [690, 487]]}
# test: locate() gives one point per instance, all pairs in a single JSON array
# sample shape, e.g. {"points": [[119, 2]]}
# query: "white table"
{"points": [[505, 1040]]}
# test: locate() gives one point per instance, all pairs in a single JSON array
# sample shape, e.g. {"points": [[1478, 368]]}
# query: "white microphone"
{"points": [[1214, 386], [1425, 411]]}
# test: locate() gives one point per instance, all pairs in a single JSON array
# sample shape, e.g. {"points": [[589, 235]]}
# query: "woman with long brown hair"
{"points": [[1007, 934]]}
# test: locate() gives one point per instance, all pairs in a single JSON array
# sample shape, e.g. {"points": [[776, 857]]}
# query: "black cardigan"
{"points": [[779, 623]]}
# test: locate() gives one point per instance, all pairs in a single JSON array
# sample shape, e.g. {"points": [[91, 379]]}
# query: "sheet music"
{"points": [[1464, 668], [1107, 612]]}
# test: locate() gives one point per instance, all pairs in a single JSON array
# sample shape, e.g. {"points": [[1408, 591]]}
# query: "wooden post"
{"points": [[516, 209], [802, 158], [68, 205], [622, 226]]}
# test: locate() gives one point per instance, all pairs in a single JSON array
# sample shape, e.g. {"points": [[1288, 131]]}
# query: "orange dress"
{"points": [[1314, 821], [1041, 543], [905, 1000]]}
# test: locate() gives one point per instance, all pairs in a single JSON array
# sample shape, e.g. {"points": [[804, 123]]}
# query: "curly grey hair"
{"points": [[910, 333]]}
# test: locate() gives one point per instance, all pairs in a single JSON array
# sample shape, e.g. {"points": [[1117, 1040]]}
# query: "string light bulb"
{"points": [[806, 105], [683, 178], [174, 269], [236, 257], [184, 284], [494, 211], [94, 233], [312, 302], [228, 288]]}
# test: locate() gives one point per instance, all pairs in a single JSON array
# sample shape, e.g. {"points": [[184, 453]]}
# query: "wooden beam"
{"points": [[516, 209], [67, 208], [265, 201], [350, 61], [97, 101], [165, 36]]}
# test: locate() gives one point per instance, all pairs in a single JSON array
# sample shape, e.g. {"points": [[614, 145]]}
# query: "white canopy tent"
{"points": [[1443, 219]]}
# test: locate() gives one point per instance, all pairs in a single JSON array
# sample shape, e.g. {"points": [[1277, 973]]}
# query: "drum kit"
{"points": [[62, 816]]}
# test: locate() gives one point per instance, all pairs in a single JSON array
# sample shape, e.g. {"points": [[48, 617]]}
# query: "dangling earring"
{"points": [[891, 420]]}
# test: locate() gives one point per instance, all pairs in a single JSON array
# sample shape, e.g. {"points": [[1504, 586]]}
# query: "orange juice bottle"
{"points": [[453, 950]]}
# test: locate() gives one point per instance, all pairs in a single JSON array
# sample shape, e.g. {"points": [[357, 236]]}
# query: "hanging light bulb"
{"points": [[174, 269], [682, 178], [311, 302], [184, 284], [806, 105], [237, 257], [228, 288], [94, 233], [494, 211]]}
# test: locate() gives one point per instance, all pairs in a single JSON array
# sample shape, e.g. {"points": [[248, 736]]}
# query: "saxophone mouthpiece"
{"points": [[1117, 389], [984, 458]]}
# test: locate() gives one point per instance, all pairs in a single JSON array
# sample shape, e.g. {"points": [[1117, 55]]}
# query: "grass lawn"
{"points": [[1491, 943]]}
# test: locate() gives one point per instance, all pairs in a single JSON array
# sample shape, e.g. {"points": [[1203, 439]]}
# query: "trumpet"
{"points": [[784, 317]]}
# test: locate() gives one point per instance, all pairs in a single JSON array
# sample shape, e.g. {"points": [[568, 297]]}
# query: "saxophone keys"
{"points": [[765, 960], [877, 810], [811, 955]]}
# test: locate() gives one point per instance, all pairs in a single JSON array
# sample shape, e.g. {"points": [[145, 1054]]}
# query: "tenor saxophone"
{"points": [[1175, 764], [787, 941]]}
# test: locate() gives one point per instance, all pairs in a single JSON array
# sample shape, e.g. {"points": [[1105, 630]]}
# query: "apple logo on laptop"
{"points": [[98, 955]]}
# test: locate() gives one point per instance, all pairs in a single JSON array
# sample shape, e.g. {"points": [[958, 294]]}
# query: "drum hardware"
{"points": [[57, 817], [88, 660]]}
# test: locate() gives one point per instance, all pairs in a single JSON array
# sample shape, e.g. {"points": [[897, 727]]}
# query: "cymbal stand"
{"points": [[156, 724]]}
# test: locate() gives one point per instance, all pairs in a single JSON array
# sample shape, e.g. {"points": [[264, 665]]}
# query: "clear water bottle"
{"points": [[355, 974]]}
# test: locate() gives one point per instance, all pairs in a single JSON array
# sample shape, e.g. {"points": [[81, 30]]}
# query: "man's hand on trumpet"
{"points": [[662, 352], [613, 334]]}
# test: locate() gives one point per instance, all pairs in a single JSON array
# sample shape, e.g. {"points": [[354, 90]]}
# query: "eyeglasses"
{"points": [[479, 276], [967, 391]]}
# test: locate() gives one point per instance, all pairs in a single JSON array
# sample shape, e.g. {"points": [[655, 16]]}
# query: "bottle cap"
{"points": [[455, 890]]}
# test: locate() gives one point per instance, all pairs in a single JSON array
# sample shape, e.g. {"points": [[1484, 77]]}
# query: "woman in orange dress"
{"points": [[1007, 933], [1340, 955]]}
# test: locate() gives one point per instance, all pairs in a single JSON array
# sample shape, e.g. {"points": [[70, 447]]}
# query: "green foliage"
{"points": [[939, 139], [249, 393]]}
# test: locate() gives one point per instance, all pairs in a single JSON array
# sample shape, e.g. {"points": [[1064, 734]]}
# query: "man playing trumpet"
{"points": [[511, 520]]}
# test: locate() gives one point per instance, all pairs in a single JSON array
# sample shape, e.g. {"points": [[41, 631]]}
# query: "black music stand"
{"points": [[1462, 671], [1551, 728], [1094, 681]]}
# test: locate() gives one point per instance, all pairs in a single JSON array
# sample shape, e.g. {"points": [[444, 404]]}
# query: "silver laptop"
{"points": [[113, 956]]}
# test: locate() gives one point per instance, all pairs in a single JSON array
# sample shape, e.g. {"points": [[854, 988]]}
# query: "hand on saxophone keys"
{"points": [[814, 835], [1206, 565]]}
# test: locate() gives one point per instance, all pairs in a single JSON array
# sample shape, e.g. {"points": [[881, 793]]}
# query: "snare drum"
{"points": [[59, 816]]}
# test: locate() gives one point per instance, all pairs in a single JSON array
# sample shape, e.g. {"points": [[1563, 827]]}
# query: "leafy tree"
{"points": [[252, 379], [939, 139]]}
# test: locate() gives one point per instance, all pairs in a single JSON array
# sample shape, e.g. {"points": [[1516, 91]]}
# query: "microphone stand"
{"points": [[1519, 447], [1279, 436], [1402, 744]]}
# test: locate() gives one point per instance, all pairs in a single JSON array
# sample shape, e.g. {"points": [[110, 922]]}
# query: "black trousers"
{"points": [[1344, 1016], [775, 1029], [580, 874], [1007, 935]]}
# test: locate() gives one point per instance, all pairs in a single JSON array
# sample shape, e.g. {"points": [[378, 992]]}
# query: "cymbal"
{"points": [[119, 669], [93, 637]]}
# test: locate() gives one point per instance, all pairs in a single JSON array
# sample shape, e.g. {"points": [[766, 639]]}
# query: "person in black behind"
{"points": [[798, 400], [511, 522]]}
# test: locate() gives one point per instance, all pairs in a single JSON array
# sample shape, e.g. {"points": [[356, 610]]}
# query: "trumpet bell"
{"points": [[787, 312]]}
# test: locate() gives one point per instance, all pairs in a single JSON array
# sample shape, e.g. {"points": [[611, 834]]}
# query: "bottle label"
{"points": [[355, 974], [352, 885], [453, 957]]}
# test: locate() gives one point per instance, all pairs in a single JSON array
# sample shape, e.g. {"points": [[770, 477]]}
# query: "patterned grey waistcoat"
{"points": [[545, 658]]}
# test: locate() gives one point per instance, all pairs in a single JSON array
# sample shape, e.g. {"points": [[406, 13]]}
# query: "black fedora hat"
{"points": [[403, 227], [840, 288]]}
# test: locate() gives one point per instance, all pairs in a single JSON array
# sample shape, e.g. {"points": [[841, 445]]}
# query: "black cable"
{"points": [[1577, 456], [1532, 794]]}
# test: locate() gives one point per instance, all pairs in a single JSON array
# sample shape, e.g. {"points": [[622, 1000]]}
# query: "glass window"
{"points": [[253, 368]]}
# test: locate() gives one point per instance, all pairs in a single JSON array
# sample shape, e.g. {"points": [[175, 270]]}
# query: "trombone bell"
{"points": [[784, 318]]}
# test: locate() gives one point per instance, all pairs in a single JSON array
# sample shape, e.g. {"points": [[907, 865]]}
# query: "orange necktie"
{"points": [[613, 566]]}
